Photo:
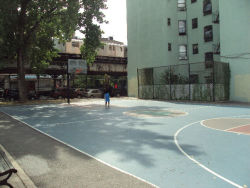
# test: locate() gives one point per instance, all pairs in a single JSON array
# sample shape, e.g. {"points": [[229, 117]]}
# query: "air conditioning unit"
{"points": [[216, 48], [216, 17]]}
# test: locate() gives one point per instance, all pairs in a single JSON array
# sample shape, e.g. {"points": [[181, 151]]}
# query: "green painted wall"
{"points": [[149, 35], [235, 42], [196, 36], [147, 41]]}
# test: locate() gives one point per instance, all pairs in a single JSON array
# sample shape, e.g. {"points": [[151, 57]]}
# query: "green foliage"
{"points": [[27, 29], [79, 81], [91, 17]]}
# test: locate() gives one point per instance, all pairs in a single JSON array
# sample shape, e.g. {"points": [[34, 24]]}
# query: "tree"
{"points": [[27, 29], [92, 31]]}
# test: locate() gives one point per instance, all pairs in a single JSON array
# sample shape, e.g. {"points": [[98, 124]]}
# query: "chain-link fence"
{"points": [[206, 81]]}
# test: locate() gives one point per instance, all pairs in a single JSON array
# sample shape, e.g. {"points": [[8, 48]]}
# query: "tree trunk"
{"points": [[21, 77]]}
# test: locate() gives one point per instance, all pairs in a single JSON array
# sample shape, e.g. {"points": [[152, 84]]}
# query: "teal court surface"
{"points": [[170, 145]]}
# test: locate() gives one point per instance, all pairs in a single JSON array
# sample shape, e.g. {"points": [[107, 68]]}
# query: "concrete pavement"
{"points": [[51, 164]]}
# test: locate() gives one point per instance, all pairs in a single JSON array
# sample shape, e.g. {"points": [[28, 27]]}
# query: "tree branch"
{"points": [[36, 25]]}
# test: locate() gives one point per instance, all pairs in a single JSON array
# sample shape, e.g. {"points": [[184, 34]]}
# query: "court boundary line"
{"points": [[87, 154], [197, 162]]}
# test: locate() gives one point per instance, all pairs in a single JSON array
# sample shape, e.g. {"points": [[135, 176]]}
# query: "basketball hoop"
{"points": [[77, 66]]}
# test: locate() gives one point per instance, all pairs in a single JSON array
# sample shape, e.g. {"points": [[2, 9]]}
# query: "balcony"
{"points": [[216, 48], [181, 6], [216, 17]]}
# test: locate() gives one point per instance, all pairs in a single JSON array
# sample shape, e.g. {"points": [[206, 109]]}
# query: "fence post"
{"points": [[153, 83], [138, 86], [189, 81], [213, 83], [170, 84]]}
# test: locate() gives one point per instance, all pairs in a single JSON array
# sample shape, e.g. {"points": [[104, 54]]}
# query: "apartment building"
{"points": [[174, 32]]}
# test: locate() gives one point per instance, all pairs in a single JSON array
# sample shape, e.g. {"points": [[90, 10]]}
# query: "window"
{"points": [[110, 47], [75, 44], [193, 1], [207, 7], [121, 49], [209, 58], [182, 52], [194, 79], [208, 33], [195, 49], [194, 23], [113, 48], [169, 47], [208, 79], [182, 27], [181, 5], [169, 21]]}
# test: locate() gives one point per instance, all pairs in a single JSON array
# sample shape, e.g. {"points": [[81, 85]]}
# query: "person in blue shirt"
{"points": [[107, 98]]}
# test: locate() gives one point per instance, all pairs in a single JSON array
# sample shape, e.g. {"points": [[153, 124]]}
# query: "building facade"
{"points": [[172, 32]]}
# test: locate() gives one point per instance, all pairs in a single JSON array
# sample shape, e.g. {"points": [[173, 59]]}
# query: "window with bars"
{"points": [[208, 33], [194, 23], [209, 58], [169, 21], [195, 49], [207, 7], [183, 52], [169, 47], [182, 27]]}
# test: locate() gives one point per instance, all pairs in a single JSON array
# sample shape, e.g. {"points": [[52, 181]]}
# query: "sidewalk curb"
{"points": [[20, 173]]}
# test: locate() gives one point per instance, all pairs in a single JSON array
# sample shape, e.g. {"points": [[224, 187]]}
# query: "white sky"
{"points": [[117, 17]]}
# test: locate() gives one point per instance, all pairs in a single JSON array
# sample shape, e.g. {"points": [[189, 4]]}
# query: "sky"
{"points": [[117, 17]]}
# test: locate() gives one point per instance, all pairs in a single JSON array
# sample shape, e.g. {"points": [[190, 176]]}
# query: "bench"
{"points": [[6, 169]]}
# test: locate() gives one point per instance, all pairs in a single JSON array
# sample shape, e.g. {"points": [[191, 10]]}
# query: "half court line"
{"points": [[197, 162]]}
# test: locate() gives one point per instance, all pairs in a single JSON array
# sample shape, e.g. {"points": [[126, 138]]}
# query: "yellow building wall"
{"points": [[242, 86], [133, 87]]}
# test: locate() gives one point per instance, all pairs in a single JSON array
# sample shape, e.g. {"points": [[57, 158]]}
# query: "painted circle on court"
{"points": [[155, 113], [235, 125]]}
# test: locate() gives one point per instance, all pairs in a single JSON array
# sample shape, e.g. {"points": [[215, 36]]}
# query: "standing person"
{"points": [[107, 98], [5, 94]]}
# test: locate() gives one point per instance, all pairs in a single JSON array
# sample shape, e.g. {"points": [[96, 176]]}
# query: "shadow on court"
{"points": [[96, 130]]}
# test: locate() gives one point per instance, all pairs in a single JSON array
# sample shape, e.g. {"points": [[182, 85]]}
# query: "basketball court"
{"points": [[166, 144]]}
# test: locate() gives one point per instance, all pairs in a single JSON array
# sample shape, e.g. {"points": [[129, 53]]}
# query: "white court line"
{"points": [[237, 127], [99, 160], [232, 117], [196, 108], [197, 162]]}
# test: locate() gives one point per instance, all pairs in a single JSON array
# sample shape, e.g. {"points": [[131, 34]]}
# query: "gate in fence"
{"points": [[205, 81]]}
